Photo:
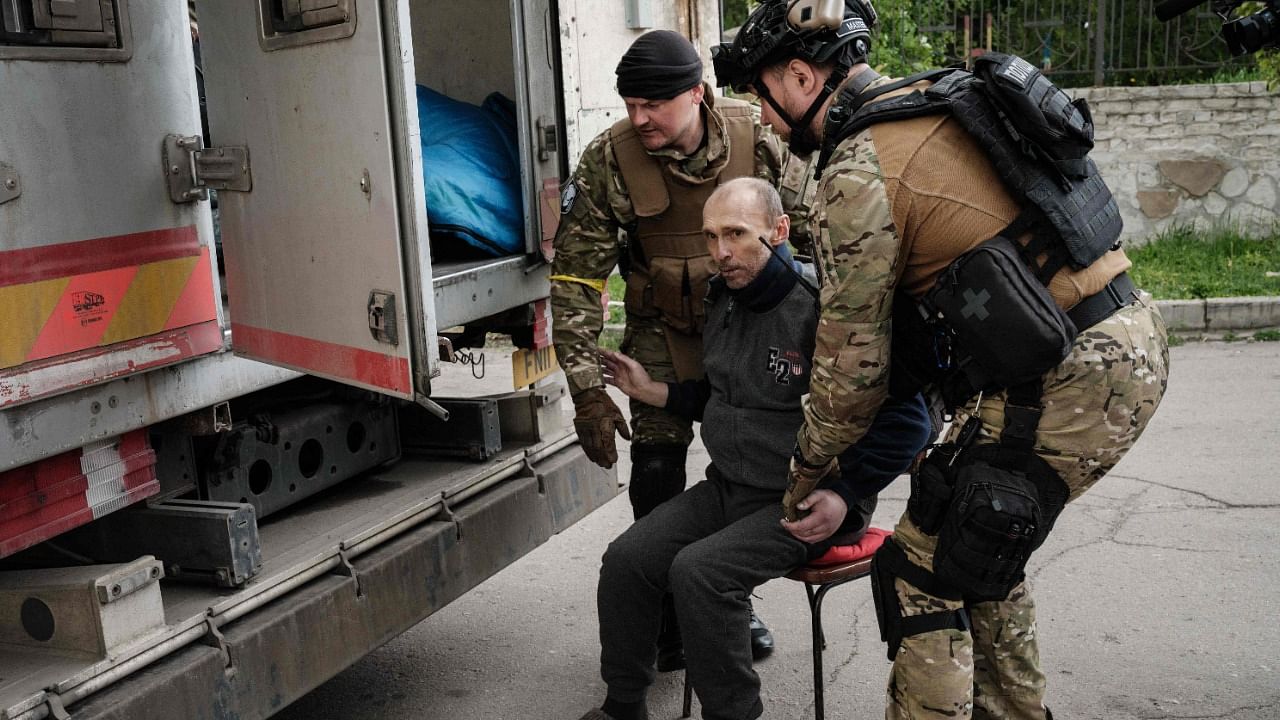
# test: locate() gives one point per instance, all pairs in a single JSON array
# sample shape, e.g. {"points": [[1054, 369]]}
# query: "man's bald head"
{"points": [[738, 216], [759, 194]]}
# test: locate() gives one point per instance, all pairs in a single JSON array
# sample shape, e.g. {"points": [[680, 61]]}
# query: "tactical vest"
{"points": [[669, 262], [1036, 137]]}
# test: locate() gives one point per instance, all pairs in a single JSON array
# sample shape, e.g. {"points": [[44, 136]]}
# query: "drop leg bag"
{"points": [[1004, 503]]}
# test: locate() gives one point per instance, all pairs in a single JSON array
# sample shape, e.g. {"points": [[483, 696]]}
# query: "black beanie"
{"points": [[659, 65]]}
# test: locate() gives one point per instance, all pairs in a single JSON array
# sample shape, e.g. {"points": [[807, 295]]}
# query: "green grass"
{"points": [[1185, 263], [616, 289], [1267, 336]]}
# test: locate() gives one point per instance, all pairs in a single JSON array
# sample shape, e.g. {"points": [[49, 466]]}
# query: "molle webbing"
{"points": [[1080, 212]]}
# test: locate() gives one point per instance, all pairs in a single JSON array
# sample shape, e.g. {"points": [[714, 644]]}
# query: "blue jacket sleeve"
{"points": [[900, 430]]}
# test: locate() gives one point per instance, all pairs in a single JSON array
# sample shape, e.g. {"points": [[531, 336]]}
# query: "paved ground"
{"points": [[1158, 593]]}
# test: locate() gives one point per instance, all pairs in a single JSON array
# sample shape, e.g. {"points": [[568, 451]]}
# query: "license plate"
{"points": [[530, 366]]}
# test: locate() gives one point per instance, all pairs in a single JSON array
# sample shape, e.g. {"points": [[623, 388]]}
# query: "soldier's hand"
{"points": [[826, 511], [803, 477], [596, 420], [631, 378]]}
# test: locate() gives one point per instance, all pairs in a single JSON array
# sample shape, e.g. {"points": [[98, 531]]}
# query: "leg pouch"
{"points": [[1005, 502], [932, 485]]}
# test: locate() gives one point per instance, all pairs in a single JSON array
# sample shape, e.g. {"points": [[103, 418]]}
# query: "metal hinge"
{"points": [[192, 170], [10, 184]]}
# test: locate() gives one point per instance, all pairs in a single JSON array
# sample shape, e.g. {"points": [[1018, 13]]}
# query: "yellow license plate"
{"points": [[530, 366]]}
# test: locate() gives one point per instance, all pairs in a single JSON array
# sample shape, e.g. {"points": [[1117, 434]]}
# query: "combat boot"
{"points": [[761, 638]]}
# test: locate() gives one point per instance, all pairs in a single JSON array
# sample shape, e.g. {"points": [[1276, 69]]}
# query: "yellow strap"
{"points": [[597, 285]]}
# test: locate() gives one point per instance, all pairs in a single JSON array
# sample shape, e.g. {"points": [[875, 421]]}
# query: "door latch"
{"points": [[382, 317], [548, 139], [192, 170]]}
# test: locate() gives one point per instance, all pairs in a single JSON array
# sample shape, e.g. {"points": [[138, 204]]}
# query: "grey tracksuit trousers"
{"points": [[710, 547]]}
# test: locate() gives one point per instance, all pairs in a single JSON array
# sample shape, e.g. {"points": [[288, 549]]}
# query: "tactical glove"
{"points": [[803, 477], [596, 420]]}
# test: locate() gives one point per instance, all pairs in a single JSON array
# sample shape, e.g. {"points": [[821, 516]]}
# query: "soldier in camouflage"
{"points": [[896, 204], [635, 201]]}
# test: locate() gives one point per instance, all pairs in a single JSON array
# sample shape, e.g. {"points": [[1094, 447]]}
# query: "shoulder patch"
{"points": [[568, 197]]}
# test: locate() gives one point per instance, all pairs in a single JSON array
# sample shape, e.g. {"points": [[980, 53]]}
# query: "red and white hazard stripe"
{"points": [[46, 498]]}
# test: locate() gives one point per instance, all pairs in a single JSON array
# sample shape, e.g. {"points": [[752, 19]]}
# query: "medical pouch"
{"points": [[1006, 327]]}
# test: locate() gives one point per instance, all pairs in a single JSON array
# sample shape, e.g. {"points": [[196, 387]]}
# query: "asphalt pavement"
{"points": [[1158, 593]]}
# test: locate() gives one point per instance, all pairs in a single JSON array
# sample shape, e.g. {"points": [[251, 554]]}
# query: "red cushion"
{"points": [[864, 548]]}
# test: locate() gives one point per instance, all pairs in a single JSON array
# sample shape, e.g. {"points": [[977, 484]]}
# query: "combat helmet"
{"points": [[816, 31]]}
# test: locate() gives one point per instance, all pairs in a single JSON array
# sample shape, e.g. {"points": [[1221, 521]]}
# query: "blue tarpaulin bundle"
{"points": [[471, 164]]}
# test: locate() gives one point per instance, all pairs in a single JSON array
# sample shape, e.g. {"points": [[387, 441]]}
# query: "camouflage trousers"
{"points": [[1096, 404], [645, 341]]}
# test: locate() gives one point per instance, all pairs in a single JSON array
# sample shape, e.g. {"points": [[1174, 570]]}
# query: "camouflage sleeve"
{"points": [[586, 251], [857, 255], [771, 154], [792, 175]]}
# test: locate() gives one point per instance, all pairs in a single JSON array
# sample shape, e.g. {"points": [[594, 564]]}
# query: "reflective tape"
{"points": [[45, 499], [154, 287]]}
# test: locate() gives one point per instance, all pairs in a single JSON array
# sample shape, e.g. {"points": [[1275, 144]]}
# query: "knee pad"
{"points": [[657, 475]]}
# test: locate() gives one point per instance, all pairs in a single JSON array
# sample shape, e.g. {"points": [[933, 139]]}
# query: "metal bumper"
{"points": [[268, 658]]}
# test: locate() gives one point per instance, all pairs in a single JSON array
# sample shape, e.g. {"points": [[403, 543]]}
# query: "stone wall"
{"points": [[1189, 154]]}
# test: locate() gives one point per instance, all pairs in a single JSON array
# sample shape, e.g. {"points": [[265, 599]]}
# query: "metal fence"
{"points": [[1083, 42]]}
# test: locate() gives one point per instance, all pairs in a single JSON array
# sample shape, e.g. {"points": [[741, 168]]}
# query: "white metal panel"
{"points": [[44, 428], [541, 117], [320, 230], [407, 131], [464, 49], [85, 138]]}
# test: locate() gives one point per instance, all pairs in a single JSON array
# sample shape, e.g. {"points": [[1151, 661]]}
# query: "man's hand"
{"points": [[596, 420], [802, 479], [631, 378], [826, 511]]}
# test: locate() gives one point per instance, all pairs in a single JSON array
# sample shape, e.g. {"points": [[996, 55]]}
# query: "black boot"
{"points": [[761, 638], [670, 646]]}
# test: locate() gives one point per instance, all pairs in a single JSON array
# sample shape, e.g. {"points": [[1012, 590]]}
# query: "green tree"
{"points": [[898, 45], [1269, 66]]}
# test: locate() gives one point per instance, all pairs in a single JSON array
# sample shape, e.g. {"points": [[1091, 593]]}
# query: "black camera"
{"points": [[1243, 35], [1254, 32]]}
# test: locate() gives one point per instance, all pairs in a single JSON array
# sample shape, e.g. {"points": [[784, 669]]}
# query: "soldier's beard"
{"points": [[802, 142]]}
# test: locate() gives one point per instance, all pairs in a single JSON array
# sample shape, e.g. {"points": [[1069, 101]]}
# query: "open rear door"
{"points": [[537, 57], [316, 272]]}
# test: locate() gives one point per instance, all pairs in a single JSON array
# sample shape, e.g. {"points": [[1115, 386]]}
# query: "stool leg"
{"points": [[819, 644], [820, 637], [688, 696], [820, 640]]}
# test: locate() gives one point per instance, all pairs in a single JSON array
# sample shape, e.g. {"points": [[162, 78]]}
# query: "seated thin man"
{"points": [[713, 544]]}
